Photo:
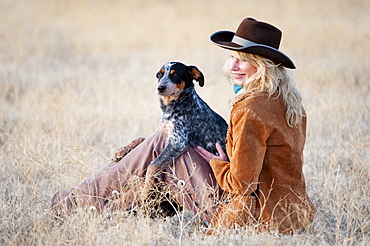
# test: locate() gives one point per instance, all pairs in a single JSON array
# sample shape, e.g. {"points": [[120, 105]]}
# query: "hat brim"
{"points": [[224, 40]]}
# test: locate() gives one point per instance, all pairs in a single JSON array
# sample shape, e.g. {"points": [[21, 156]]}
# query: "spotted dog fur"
{"points": [[187, 119]]}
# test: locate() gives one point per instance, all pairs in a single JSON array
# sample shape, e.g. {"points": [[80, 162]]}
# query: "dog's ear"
{"points": [[196, 74]]}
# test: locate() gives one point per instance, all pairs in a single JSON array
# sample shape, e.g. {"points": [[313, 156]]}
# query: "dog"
{"points": [[186, 118]]}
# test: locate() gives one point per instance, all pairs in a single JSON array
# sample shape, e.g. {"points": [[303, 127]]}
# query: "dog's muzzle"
{"points": [[161, 88]]}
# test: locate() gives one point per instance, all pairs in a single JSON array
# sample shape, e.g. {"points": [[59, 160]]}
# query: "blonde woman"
{"points": [[267, 131]]}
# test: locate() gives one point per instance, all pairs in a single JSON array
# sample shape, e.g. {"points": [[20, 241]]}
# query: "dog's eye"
{"points": [[159, 74]]}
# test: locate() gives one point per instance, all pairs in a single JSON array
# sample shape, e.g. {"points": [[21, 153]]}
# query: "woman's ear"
{"points": [[196, 74]]}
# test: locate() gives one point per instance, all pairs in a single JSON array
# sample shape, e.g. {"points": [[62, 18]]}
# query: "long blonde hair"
{"points": [[271, 79]]}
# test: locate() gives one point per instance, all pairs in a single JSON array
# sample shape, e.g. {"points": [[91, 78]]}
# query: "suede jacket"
{"points": [[263, 176]]}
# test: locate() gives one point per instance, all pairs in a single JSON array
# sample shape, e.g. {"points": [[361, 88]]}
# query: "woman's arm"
{"points": [[247, 152]]}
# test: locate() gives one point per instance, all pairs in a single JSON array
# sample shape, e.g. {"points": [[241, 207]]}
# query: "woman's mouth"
{"points": [[238, 76]]}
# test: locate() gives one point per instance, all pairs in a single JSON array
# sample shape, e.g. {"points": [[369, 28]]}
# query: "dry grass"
{"points": [[77, 82]]}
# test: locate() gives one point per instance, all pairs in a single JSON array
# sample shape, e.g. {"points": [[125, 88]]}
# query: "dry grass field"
{"points": [[78, 81]]}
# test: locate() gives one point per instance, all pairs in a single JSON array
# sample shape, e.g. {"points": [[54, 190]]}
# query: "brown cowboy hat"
{"points": [[254, 37]]}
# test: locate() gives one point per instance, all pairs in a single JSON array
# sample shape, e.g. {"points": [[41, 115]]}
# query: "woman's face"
{"points": [[241, 70]]}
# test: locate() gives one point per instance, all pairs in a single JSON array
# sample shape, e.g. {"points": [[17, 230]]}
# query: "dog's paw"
{"points": [[152, 177], [123, 151], [152, 172]]}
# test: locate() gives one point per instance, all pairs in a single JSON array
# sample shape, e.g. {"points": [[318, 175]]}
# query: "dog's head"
{"points": [[174, 77]]}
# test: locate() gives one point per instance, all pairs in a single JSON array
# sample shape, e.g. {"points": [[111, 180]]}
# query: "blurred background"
{"points": [[77, 82]]}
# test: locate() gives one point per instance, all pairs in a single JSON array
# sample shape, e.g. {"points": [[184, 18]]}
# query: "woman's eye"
{"points": [[233, 58]]}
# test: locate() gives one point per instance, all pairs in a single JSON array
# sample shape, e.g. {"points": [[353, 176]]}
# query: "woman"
{"points": [[266, 136], [261, 180]]}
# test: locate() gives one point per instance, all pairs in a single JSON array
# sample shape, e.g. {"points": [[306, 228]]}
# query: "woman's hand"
{"points": [[208, 155]]}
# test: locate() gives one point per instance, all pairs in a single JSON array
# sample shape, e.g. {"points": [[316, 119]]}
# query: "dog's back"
{"points": [[198, 121]]}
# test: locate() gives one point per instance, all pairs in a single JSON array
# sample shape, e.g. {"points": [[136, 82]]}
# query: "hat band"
{"points": [[246, 43], [243, 42]]}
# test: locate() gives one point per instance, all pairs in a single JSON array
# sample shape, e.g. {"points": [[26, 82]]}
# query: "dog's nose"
{"points": [[161, 88]]}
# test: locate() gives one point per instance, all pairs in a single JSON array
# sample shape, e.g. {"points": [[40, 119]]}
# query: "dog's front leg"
{"points": [[169, 153]]}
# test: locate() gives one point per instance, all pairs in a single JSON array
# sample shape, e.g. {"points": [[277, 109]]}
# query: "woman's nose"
{"points": [[234, 66]]}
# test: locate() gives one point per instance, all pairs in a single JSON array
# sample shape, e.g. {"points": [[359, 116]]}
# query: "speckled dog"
{"points": [[187, 119]]}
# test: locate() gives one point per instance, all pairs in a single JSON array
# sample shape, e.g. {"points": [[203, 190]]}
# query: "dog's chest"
{"points": [[174, 122], [167, 126], [178, 116]]}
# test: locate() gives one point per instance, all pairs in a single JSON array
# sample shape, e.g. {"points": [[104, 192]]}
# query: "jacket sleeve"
{"points": [[248, 135]]}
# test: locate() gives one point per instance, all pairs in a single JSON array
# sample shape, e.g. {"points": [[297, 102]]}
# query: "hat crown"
{"points": [[259, 32]]}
